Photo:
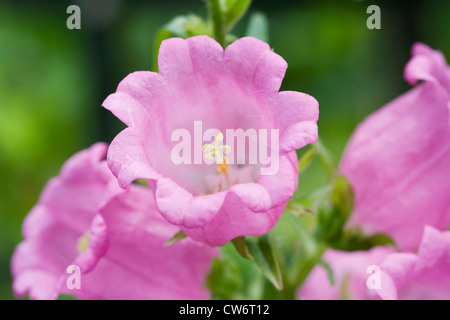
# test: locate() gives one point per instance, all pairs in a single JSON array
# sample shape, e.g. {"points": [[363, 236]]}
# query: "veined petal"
{"points": [[202, 87]]}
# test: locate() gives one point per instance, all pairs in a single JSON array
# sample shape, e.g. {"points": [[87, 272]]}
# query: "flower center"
{"points": [[83, 242], [217, 152]]}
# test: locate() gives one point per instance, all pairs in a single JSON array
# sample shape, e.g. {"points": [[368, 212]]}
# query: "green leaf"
{"points": [[223, 279], [241, 247], [313, 198], [224, 14], [344, 292], [306, 159], [327, 159], [296, 209], [142, 182], [230, 39], [354, 240], [196, 26], [380, 239], [258, 27], [263, 255], [66, 297], [334, 211], [180, 26], [330, 272], [234, 10], [342, 197], [180, 235], [175, 28], [161, 35]]}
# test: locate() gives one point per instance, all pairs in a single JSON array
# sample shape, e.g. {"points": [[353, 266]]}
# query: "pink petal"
{"points": [[350, 270], [429, 65], [235, 89], [399, 177], [243, 57], [128, 159], [296, 116], [65, 211], [137, 265], [425, 275], [207, 58]]}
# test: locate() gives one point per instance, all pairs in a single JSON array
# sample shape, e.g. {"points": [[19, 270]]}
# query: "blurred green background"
{"points": [[53, 80]]}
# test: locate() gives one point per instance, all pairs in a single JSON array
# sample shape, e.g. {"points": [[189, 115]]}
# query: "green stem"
{"points": [[326, 158], [292, 284], [288, 291], [303, 261], [218, 19], [309, 264]]}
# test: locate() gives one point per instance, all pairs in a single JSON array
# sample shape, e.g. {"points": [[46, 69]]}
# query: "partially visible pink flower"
{"points": [[120, 252], [235, 89], [137, 265], [421, 276], [397, 161], [403, 276], [350, 270], [52, 229]]}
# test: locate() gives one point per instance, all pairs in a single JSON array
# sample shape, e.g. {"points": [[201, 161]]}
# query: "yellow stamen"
{"points": [[83, 242], [224, 169], [218, 152]]}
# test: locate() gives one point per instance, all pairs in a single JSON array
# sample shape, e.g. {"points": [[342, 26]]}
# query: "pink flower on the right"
{"points": [[398, 159], [421, 276], [401, 275]]}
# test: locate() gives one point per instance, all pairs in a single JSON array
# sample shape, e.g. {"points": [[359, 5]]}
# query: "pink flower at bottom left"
{"points": [[115, 238]]}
